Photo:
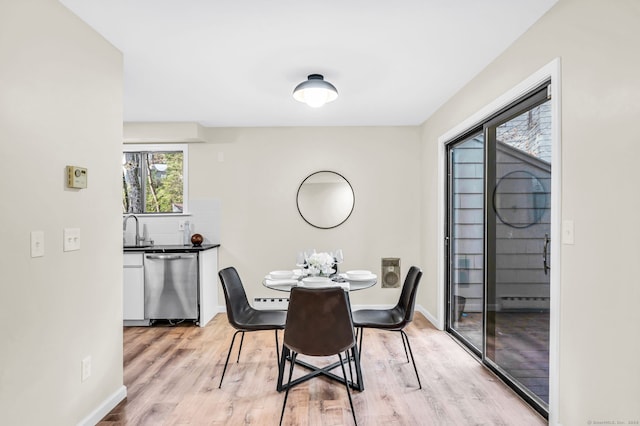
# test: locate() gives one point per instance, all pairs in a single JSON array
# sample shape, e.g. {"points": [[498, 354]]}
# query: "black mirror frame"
{"points": [[353, 204]]}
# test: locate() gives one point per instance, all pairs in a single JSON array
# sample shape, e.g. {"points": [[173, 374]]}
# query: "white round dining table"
{"points": [[343, 281]]}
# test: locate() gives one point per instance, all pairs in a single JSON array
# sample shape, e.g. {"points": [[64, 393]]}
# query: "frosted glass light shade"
{"points": [[315, 92]]}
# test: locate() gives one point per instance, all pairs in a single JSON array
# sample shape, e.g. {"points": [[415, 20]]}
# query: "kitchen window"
{"points": [[154, 179]]}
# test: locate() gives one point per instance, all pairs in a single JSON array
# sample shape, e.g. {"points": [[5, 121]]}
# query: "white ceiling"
{"points": [[235, 62]]}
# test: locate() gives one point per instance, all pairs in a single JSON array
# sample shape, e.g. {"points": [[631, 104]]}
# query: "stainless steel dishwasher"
{"points": [[171, 286]]}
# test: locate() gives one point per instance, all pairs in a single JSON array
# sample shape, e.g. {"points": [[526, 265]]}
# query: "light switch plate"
{"points": [[567, 232], [71, 239], [37, 243], [86, 368]]}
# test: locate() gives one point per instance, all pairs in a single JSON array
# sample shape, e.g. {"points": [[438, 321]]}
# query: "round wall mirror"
{"points": [[325, 199]]}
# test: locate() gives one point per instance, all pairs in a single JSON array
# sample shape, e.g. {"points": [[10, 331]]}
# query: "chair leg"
{"points": [[356, 359], [404, 345], [240, 350], [277, 349], [281, 365], [346, 384], [361, 332], [412, 357], [229, 354], [348, 358], [286, 394]]}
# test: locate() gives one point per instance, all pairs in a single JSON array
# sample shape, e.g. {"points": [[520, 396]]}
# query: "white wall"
{"points": [[597, 42], [60, 104], [256, 185]]}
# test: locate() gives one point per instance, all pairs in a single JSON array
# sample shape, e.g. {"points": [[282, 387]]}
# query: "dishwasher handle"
{"points": [[170, 256]]}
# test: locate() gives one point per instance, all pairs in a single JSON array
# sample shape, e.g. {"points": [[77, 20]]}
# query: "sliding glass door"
{"points": [[466, 240], [498, 244]]}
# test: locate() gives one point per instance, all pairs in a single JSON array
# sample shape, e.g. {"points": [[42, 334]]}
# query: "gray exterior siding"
{"points": [[519, 261]]}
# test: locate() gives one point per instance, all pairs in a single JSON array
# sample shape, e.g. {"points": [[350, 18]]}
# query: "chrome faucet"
{"points": [[124, 227]]}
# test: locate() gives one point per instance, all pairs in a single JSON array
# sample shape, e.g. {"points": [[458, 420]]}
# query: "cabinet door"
{"points": [[133, 287], [208, 285]]}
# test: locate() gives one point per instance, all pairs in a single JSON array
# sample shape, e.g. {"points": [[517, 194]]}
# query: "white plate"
{"points": [[358, 273], [281, 275], [271, 277], [281, 283], [369, 277], [313, 282]]}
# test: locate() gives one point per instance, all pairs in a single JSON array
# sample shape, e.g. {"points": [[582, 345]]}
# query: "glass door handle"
{"points": [[545, 254]]}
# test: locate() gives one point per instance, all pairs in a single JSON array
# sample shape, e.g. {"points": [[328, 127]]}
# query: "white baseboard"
{"points": [[432, 319], [103, 409]]}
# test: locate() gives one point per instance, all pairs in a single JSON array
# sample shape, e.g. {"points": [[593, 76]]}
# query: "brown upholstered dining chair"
{"points": [[318, 324], [394, 319], [243, 317]]}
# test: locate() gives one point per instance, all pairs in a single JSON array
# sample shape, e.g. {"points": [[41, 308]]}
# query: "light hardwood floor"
{"points": [[172, 376]]}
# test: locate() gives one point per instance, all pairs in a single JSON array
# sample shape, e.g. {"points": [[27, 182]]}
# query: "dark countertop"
{"points": [[169, 248]]}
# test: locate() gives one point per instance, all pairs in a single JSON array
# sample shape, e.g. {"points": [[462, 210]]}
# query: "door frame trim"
{"points": [[550, 71]]}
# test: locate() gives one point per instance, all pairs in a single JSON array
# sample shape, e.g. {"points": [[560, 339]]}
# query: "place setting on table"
{"points": [[319, 270]]}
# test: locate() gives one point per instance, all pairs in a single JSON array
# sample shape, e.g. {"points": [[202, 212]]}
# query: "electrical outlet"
{"points": [[71, 239], [86, 368], [181, 225]]}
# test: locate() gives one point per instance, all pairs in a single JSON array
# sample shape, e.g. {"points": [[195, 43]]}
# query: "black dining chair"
{"points": [[318, 324], [394, 319], [243, 317]]}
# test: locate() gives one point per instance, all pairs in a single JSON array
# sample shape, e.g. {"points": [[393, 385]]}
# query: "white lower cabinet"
{"points": [[208, 285], [133, 287]]}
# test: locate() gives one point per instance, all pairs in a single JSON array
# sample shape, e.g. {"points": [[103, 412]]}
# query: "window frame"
{"points": [[164, 147]]}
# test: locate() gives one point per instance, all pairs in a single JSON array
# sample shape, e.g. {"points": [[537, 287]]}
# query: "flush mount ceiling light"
{"points": [[315, 92]]}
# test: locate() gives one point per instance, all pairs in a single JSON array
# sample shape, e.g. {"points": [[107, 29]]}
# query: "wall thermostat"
{"points": [[76, 177]]}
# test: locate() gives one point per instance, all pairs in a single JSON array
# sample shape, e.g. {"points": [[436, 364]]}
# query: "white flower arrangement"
{"points": [[320, 263]]}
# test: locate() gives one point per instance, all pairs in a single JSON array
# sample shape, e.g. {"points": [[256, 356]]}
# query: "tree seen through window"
{"points": [[153, 182]]}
